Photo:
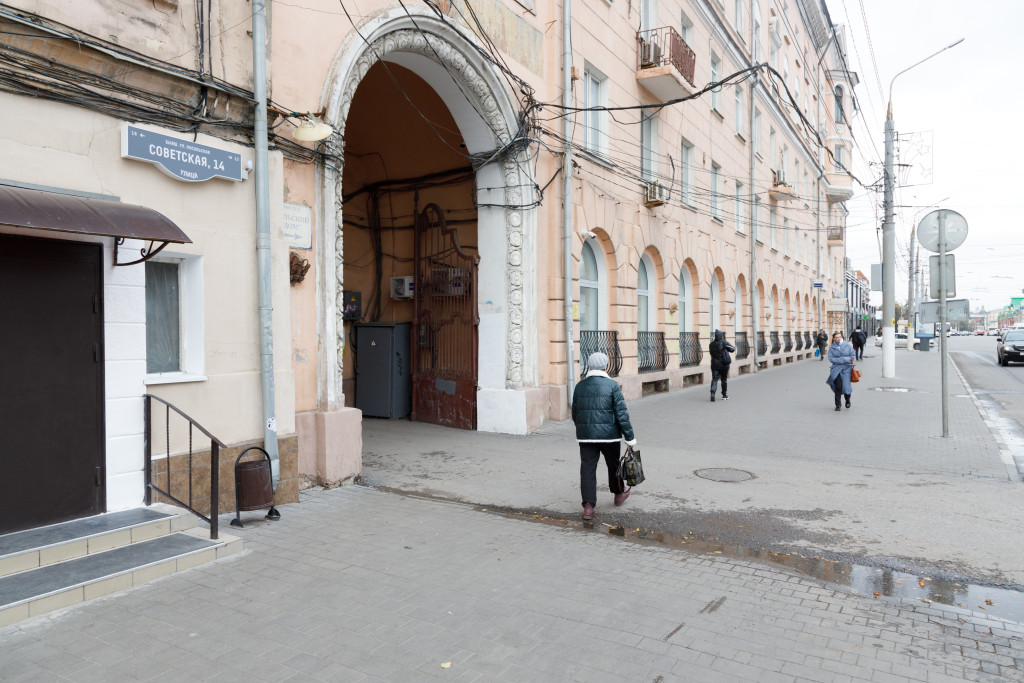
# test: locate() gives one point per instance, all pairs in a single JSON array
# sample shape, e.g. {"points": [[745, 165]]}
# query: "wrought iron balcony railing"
{"points": [[605, 341], [787, 341], [799, 341], [664, 46], [690, 351], [807, 340], [776, 343], [742, 345], [762, 345], [651, 352]]}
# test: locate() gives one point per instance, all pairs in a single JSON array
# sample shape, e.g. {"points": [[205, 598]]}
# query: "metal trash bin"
{"points": [[254, 486]]}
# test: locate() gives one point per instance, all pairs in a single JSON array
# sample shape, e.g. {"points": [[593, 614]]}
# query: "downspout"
{"points": [[570, 381], [262, 168], [817, 193], [754, 305]]}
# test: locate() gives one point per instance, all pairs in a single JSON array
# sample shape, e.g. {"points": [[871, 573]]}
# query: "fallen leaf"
{"points": [[538, 517], [877, 593], [446, 665], [920, 582], [926, 600], [980, 607], [989, 602]]}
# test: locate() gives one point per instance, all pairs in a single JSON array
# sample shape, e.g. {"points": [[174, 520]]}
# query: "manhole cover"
{"points": [[899, 390], [724, 474]]}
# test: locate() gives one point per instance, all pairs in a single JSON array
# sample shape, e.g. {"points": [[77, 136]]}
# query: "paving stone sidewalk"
{"points": [[357, 584]]}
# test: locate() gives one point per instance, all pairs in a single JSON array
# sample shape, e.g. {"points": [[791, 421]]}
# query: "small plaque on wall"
{"points": [[298, 226]]}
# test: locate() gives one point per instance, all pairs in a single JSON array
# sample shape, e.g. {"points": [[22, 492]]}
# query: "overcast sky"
{"points": [[966, 104]]}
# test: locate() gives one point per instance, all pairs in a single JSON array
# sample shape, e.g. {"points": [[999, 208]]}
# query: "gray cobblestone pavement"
{"points": [[356, 584]]}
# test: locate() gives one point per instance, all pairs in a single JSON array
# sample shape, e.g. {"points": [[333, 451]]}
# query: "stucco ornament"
{"points": [[439, 48]]}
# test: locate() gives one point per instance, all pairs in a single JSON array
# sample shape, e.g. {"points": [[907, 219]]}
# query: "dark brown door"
{"points": [[445, 328], [51, 382]]}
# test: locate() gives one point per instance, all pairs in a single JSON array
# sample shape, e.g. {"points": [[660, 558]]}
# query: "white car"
{"points": [[902, 341]]}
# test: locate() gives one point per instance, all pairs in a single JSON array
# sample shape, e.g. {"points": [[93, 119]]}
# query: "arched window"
{"points": [[769, 306], [714, 301], [685, 301], [840, 115], [644, 299], [590, 287]]}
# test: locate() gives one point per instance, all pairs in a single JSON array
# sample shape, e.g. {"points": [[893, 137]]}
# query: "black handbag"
{"points": [[631, 469]]}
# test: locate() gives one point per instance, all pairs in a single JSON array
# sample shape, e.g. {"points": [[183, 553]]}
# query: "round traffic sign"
{"points": [[955, 228]]}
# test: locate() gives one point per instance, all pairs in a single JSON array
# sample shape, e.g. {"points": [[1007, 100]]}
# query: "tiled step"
{"points": [[24, 550], [33, 592]]}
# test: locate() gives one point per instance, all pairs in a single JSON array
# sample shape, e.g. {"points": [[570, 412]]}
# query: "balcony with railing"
{"points": [[838, 186], [835, 235], [808, 344], [605, 341], [651, 352], [799, 338], [690, 351], [665, 63], [742, 346], [762, 345], [787, 341], [776, 342]]}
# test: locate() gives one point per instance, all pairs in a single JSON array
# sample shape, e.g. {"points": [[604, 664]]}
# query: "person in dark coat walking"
{"points": [[841, 355], [821, 340], [719, 350], [599, 412], [859, 339]]}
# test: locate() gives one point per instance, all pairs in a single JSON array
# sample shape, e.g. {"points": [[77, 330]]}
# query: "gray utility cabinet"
{"points": [[383, 376]]}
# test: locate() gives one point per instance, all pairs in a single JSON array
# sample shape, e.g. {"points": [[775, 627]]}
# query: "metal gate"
{"points": [[444, 359]]}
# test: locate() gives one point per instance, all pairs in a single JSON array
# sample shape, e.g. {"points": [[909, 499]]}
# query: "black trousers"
{"points": [[590, 454], [859, 351], [837, 387], [723, 375]]}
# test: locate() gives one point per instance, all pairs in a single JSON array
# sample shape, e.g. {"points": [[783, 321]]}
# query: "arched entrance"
{"points": [[414, 51]]}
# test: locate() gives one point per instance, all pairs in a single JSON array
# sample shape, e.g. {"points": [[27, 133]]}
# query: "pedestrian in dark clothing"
{"points": [[719, 350], [821, 341], [601, 419], [841, 355], [859, 339]]}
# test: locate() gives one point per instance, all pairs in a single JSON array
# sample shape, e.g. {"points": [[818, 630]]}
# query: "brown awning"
{"points": [[27, 208]]}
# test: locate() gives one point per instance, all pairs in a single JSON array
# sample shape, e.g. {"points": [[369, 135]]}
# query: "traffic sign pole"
{"points": [[943, 339]]}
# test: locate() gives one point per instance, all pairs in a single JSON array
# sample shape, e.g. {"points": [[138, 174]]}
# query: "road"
{"points": [[999, 390]]}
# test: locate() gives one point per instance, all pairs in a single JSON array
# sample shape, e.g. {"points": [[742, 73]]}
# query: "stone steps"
{"points": [[59, 565]]}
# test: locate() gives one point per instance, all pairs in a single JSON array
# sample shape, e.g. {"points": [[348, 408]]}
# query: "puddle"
{"points": [[1001, 603]]}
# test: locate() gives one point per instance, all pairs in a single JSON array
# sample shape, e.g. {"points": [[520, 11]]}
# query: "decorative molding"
{"points": [[442, 49]]}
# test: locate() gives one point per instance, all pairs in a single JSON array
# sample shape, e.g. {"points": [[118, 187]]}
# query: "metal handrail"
{"points": [[605, 341], [690, 351], [215, 446], [651, 352], [742, 346], [662, 46]]}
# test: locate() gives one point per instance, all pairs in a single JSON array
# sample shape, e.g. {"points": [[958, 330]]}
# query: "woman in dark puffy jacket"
{"points": [[601, 419], [720, 361]]}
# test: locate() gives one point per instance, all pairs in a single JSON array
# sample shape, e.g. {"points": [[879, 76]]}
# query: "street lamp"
{"points": [[889, 237]]}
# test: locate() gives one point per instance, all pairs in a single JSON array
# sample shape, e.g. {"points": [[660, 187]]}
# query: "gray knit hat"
{"points": [[597, 361]]}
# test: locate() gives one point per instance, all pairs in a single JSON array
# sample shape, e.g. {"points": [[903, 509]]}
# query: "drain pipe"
{"points": [[754, 305], [570, 381], [266, 321]]}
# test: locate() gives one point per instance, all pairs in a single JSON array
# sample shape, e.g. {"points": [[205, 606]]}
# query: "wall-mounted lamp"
{"points": [[312, 129], [585, 234]]}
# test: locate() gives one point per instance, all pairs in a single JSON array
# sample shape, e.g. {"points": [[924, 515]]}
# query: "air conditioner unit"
{"points": [[650, 53], [402, 288], [655, 194], [779, 177]]}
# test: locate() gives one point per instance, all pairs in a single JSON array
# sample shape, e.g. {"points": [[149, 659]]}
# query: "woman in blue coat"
{"points": [[841, 355]]}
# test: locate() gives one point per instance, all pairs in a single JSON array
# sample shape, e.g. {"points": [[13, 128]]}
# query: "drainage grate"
{"points": [[726, 474]]}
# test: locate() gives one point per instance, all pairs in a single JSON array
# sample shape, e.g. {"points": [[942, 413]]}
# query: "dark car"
{"points": [[1010, 347]]}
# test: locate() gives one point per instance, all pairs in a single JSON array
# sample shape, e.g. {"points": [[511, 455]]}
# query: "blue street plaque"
{"points": [[182, 159]]}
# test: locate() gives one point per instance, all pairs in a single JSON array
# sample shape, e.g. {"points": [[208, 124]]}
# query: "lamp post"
{"points": [[889, 236]]}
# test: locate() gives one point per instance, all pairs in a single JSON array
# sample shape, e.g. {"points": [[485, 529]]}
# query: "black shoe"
{"points": [[712, 399], [837, 409], [725, 398], [847, 402]]}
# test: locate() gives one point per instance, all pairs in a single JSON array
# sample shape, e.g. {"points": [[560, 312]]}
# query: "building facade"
{"points": [[435, 257]]}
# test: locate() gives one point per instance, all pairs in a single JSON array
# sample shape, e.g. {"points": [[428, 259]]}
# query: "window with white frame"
{"points": [[595, 94], [756, 20], [716, 188], [840, 158], [686, 157], [785, 236], [174, 318], [738, 90], [772, 149], [590, 288], [716, 74], [648, 14], [648, 146], [771, 226], [740, 201], [755, 219], [756, 132], [737, 306], [685, 301], [738, 17], [644, 296], [840, 114], [686, 29]]}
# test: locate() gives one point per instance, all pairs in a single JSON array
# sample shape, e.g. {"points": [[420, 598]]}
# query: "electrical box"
{"points": [[402, 288], [383, 373], [353, 305]]}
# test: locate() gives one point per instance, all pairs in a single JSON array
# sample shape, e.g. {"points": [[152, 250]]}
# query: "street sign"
{"points": [[838, 305], [957, 311], [876, 277], [818, 284], [933, 276], [928, 230]]}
